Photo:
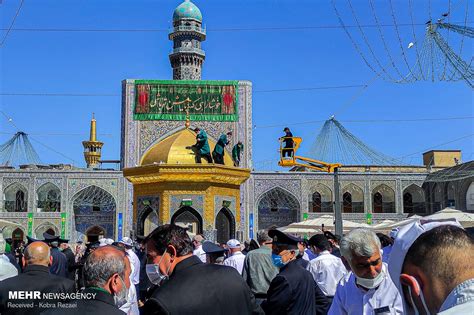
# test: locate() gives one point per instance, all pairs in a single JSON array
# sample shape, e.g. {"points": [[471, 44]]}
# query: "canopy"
{"points": [[464, 218], [328, 222], [296, 230]]}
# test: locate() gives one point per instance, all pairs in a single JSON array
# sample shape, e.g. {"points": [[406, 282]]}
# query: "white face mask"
{"points": [[370, 283], [422, 298], [154, 274], [121, 297]]}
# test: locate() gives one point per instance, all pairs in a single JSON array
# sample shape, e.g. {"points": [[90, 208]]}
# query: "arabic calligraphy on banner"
{"points": [[172, 100]]}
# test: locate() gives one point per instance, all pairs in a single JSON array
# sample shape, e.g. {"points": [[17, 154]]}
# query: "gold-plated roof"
{"points": [[175, 149]]}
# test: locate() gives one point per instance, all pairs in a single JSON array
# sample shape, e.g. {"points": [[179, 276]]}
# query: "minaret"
{"points": [[92, 148], [187, 56]]}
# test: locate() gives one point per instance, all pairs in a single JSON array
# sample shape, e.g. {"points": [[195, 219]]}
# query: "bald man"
{"points": [[35, 277]]}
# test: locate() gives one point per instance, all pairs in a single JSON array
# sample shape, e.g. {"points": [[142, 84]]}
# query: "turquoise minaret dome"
{"points": [[187, 10]]}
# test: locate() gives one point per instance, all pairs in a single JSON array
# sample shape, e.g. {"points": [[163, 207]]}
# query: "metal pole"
{"points": [[337, 205]]}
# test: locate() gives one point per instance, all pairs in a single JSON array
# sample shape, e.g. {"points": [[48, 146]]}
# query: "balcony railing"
{"points": [[184, 28], [188, 49]]}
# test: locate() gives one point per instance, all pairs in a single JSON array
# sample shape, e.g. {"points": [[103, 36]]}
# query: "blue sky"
{"points": [[96, 62]]}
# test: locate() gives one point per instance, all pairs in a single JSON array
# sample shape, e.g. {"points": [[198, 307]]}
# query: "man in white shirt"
{"points": [[327, 270], [198, 251], [236, 259], [127, 243], [368, 289], [432, 263]]}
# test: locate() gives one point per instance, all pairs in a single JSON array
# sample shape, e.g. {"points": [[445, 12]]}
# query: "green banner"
{"points": [[63, 225], [30, 224], [369, 218], [305, 216], [173, 100]]}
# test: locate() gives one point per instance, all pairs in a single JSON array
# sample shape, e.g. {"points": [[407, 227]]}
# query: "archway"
{"points": [[17, 237], [16, 198], [48, 198], [470, 197], [94, 233], [225, 225], [320, 199], [188, 218], [347, 202], [438, 197], [277, 207], [383, 199], [414, 200], [150, 223], [451, 195], [94, 205], [46, 227]]}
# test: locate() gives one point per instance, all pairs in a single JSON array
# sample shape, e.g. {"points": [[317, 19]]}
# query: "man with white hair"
{"points": [[236, 258], [433, 268], [198, 251], [368, 289]]}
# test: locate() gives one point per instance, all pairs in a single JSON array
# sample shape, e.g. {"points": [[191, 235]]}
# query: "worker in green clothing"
{"points": [[201, 148], [236, 151], [218, 153]]}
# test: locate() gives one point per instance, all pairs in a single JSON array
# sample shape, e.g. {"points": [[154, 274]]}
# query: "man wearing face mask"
{"points": [[368, 288], [292, 290], [106, 276], [433, 268], [35, 277], [185, 285]]}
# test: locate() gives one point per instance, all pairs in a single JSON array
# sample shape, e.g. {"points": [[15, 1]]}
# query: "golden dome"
{"points": [[175, 149]]}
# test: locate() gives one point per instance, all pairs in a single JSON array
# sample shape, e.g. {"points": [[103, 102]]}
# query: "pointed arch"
{"points": [[353, 200], [225, 225], [470, 197], [383, 198], [93, 205], [15, 198], [48, 198], [277, 207], [189, 218], [320, 199], [414, 199], [46, 227]]}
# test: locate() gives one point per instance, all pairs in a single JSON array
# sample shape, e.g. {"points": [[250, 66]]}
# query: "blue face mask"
{"points": [[276, 259]]}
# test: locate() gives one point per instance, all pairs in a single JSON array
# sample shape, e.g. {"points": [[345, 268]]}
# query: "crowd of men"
{"points": [[425, 267]]}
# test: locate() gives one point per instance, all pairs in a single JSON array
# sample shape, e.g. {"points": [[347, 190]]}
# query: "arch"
{"points": [[347, 202], [94, 233], [277, 207], [414, 199], [18, 236], [92, 205], [450, 194], [48, 198], [438, 197], [189, 218], [355, 203], [470, 197], [225, 225], [150, 221], [320, 200], [383, 199], [46, 227], [15, 198]]}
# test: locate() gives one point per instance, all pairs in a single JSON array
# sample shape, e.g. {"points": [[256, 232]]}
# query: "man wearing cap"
{"points": [[433, 268], [218, 153], [368, 289], [259, 269], [292, 290], [187, 286], [327, 269], [236, 258], [71, 259], [202, 146], [59, 266], [214, 253], [127, 243], [289, 144]]}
